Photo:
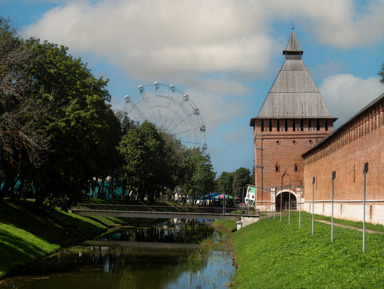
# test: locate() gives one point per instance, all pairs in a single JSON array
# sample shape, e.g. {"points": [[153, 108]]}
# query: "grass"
{"points": [[226, 225], [27, 234], [270, 254]]}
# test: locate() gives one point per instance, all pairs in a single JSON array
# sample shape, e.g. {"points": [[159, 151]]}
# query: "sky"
{"points": [[225, 54]]}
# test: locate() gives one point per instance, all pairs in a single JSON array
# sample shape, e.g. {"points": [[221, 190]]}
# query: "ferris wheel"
{"points": [[170, 109]]}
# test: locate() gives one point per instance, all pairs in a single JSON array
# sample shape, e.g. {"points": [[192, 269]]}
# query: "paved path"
{"points": [[350, 227]]}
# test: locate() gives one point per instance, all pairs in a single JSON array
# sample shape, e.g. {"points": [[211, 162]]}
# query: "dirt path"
{"points": [[350, 227]]}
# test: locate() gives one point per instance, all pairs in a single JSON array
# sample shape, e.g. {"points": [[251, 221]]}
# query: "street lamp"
{"points": [[333, 180], [365, 178], [313, 203]]}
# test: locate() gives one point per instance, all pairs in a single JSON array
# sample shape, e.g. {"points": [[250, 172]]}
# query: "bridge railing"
{"points": [[157, 208]]}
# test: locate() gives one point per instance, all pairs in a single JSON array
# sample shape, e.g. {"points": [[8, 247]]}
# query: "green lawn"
{"points": [[270, 254]]}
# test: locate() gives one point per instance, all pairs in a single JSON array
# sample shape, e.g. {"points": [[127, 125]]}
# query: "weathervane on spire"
{"points": [[293, 27]]}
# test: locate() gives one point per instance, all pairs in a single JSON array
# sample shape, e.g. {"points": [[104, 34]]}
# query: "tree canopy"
{"points": [[234, 183], [57, 131]]}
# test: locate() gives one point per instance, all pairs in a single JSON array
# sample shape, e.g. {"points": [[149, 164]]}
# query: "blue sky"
{"points": [[225, 54]]}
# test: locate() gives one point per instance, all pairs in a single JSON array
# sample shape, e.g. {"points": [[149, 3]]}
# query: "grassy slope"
{"points": [[270, 254], [26, 234]]}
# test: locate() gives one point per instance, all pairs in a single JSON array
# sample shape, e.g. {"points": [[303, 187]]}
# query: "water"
{"points": [[164, 256]]}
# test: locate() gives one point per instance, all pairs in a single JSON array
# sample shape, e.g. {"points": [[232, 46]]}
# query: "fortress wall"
{"points": [[361, 140]]}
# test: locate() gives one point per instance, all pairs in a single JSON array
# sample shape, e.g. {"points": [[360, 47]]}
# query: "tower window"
{"points": [[302, 125], [270, 125], [262, 125], [278, 125], [317, 124], [309, 125], [286, 125], [296, 168], [326, 124], [277, 168], [293, 125]]}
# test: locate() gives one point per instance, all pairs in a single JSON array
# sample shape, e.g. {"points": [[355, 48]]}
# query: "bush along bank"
{"points": [[27, 234], [270, 254]]}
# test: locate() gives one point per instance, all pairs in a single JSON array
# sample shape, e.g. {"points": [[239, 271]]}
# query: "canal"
{"points": [[165, 255]]}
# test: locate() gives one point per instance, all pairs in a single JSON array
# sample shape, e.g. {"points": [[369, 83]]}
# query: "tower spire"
{"points": [[293, 47]]}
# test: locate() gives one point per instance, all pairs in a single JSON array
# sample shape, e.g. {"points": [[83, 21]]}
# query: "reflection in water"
{"points": [[175, 231], [132, 267]]}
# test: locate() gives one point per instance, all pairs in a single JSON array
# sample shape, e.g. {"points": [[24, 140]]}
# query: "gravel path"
{"points": [[350, 227]]}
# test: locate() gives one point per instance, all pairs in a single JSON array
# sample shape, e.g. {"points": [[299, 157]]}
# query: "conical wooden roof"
{"points": [[294, 94]]}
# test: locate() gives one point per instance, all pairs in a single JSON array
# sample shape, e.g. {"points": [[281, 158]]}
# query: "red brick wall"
{"points": [[283, 148], [361, 141]]}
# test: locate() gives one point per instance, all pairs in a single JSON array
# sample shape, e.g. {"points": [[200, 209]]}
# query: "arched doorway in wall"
{"points": [[285, 201]]}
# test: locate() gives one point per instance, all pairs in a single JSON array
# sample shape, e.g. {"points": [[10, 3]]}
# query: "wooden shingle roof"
{"points": [[294, 94]]}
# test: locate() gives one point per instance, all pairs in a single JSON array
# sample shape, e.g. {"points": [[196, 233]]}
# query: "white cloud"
{"points": [[341, 23], [215, 109], [345, 94], [202, 44], [150, 37]]}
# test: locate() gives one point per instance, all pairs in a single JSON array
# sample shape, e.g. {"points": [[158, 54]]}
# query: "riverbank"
{"points": [[27, 234], [270, 254]]}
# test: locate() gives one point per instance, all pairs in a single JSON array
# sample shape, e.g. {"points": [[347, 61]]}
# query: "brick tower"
{"points": [[292, 119]]}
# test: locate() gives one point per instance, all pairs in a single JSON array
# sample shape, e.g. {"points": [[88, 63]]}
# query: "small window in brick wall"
{"points": [[296, 168], [277, 168]]}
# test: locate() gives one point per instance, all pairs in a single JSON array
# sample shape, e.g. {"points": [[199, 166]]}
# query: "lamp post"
{"points": [[300, 207], [333, 180], [365, 178], [274, 198], [281, 198], [289, 204], [313, 203]]}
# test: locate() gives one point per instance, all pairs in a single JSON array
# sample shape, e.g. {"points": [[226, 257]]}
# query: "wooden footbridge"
{"points": [[162, 212]]}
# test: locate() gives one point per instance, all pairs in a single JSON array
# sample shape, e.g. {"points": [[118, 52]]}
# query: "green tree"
{"points": [[22, 145], [144, 152], [226, 182], [199, 176], [242, 177], [83, 131]]}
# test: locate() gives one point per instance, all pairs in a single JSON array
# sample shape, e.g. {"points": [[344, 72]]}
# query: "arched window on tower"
{"points": [[277, 168], [296, 168]]}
